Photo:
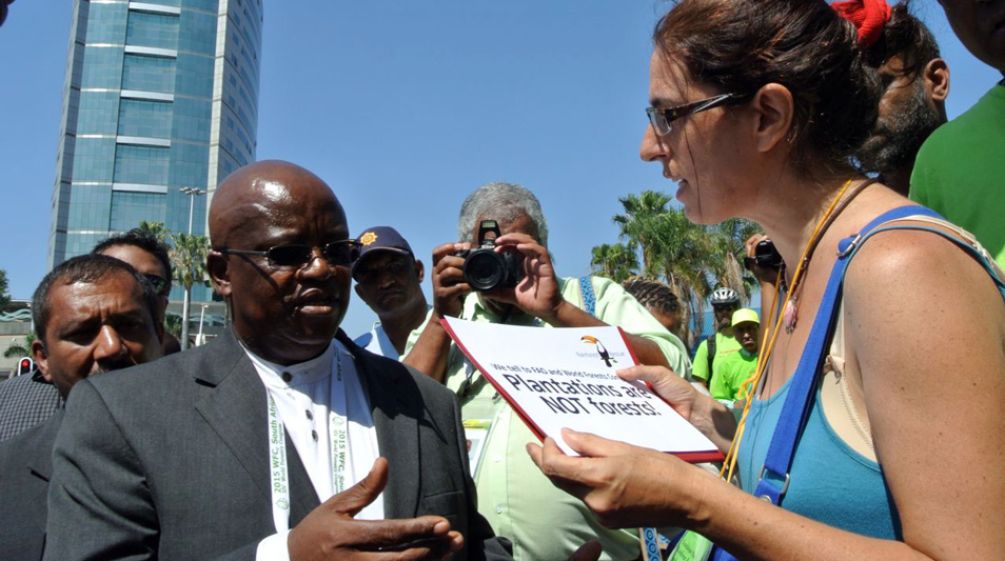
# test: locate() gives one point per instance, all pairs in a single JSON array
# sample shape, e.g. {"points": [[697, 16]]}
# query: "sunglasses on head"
{"points": [[337, 253]]}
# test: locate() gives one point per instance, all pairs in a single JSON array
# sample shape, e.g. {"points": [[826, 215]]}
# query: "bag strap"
{"points": [[774, 477], [589, 297], [710, 354]]}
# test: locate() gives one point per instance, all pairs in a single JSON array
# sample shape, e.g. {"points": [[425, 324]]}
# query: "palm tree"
{"points": [[692, 259], [616, 261], [156, 229], [728, 239], [685, 260], [188, 259], [639, 224]]}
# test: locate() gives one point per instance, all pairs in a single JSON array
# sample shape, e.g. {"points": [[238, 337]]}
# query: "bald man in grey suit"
{"points": [[173, 461]]}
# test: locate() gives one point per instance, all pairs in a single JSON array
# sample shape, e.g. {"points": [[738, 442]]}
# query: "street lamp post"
{"points": [[186, 302]]}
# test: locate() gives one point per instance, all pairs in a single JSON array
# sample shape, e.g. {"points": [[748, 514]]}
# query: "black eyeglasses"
{"points": [[159, 283], [661, 118], [338, 253]]}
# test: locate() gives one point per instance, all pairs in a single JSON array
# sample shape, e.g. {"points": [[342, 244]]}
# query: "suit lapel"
{"points": [[236, 408], [395, 413], [236, 412]]}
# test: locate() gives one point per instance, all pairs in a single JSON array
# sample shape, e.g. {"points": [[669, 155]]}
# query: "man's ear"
{"points": [[41, 359], [355, 287], [420, 270], [216, 268], [775, 110], [936, 75]]}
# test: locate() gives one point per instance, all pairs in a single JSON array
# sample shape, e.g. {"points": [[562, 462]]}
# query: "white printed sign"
{"points": [[565, 378]]}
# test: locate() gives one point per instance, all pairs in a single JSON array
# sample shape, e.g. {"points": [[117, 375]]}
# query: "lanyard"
{"points": [[339, 449]]}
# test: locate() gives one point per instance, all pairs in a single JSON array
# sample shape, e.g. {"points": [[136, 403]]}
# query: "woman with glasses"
{"points": [[875, 430]]}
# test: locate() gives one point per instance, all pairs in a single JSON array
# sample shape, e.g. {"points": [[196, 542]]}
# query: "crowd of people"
{"points": [[858, 413]]}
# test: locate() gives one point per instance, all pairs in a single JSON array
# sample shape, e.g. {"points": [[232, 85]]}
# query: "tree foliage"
{"points": [[156, 229], [16, 350], [692, 259], [4, 294], [188, 259]]}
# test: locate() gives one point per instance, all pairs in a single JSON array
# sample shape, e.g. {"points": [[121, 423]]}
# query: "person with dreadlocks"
{"points": [[661, 302], [867, 434]]}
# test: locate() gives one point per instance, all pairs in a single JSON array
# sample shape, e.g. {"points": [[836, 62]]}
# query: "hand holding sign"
{"points": [[557, 378]]}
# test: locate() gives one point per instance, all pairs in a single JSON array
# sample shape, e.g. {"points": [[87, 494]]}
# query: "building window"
{"points": [[129, 209], [142, 164], [150, 119], [152, 30], [148, 73]]}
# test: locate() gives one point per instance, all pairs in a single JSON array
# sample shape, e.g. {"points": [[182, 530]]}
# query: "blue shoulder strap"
{"points": [[774, 476], [589, 297]]}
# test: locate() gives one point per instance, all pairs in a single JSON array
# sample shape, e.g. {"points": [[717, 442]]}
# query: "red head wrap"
{"points": [[869, 16]]}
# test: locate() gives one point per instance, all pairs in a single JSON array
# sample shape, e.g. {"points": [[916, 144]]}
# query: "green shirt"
{"points": [[723, 344], [543, 522], [729, 372], [960, 172]]}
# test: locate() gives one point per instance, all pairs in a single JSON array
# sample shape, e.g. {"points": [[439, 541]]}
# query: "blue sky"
{"points": [[406, 107]]}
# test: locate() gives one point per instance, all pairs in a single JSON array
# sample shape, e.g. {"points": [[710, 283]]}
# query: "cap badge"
{"points": [[368, 238]]}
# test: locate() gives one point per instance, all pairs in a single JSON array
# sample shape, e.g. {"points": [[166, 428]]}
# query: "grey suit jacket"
{"points": [[25, 469], [169, 460]]}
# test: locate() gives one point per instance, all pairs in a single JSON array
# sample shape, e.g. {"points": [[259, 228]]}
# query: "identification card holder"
{"points": [[692, 546]]}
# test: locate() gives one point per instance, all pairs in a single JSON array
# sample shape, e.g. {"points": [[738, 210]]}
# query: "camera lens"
{"points": [[484, 270]]}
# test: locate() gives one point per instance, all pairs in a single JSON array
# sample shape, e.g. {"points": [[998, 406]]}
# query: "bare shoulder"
{"points": [[908, 264], [916, 295]]}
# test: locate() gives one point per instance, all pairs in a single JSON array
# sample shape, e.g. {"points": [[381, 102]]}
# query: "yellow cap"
{"points": [[744, 315]]}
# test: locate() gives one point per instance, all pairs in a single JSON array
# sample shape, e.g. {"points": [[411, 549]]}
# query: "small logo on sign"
{"points": [[601, 349]]}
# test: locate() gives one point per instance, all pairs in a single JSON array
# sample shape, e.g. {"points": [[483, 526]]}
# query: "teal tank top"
{"points": [[829, 481]]}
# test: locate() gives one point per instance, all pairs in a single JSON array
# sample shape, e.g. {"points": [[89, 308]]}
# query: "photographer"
{"points": [[542, 522]]}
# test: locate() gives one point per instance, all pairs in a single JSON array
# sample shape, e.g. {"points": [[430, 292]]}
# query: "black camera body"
{"points": [[765, 257], [485, 269]]}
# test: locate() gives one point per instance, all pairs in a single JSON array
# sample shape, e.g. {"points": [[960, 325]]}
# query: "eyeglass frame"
{"points": [[353, 253], [160, 284], [670, 114]]}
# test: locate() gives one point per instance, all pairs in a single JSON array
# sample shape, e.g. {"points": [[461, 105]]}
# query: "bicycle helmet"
{"points": [[724, 295]]}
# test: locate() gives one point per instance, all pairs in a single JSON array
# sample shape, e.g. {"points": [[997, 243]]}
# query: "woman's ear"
{"points": [[775, 109]]}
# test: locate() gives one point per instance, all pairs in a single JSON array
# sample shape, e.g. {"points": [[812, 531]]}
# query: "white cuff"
{"points": [[274, 548]]}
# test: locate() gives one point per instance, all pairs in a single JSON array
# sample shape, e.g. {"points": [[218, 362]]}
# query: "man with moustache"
{"points": [[389, 279], [916, 82], [92, 314], [28, 401], [228, 450]]}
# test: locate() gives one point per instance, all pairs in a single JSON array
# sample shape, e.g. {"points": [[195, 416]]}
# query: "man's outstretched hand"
{"points": [[330, 532]]}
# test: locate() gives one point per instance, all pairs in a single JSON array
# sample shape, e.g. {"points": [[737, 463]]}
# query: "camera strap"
{"points": [[589, 297]]}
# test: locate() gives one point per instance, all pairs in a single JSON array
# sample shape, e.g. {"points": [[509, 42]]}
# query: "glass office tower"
{"points": [[159, 96]]}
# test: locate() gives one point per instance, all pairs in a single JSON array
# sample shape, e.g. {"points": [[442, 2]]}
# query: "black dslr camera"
{"points": [[765, 257], [484, 269]]}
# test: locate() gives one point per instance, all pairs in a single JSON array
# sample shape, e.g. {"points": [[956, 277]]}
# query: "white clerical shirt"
{"points": [[313, 399]]}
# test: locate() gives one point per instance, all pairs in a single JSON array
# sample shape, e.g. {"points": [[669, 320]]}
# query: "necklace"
{"points": [[751, 384], [790, 313]]}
